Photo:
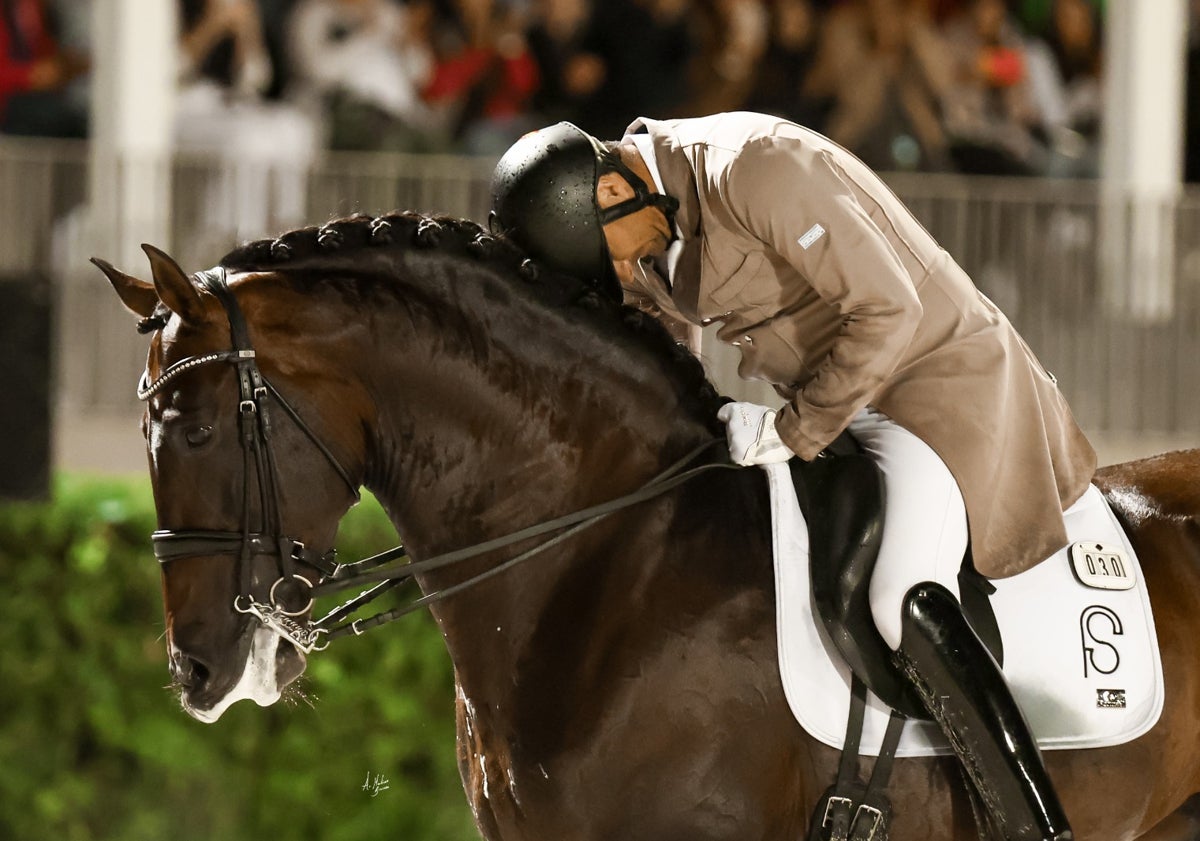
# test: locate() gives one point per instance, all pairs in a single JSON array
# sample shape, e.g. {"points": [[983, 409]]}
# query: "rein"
{"points": [[574, 523], [332, 577]]}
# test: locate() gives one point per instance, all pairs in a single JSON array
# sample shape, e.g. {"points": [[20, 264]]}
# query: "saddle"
{"points": [[842, 498], [1082, 652]]}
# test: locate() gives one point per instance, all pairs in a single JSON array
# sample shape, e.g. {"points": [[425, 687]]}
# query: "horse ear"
{"points": [[137, 295], [174, 287]]}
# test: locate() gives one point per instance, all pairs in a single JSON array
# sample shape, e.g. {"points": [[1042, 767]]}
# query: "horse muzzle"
{"points": [[259, 672]]}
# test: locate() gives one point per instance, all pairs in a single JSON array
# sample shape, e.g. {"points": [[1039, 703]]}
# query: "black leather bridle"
{"points": [[255, 392], [255, 427]]}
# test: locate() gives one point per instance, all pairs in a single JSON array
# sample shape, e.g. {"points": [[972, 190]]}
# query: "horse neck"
{"points": [[478, 436], [475, 442]]}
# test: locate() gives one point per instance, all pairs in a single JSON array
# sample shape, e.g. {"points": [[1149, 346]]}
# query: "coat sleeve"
{"points": [[794, 199]]}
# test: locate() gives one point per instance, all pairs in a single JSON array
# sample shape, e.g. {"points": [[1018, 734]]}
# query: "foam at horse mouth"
{"points": [[258, 681]]}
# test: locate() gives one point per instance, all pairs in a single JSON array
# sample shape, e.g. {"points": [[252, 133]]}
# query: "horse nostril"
{"points": [[188, 672]]}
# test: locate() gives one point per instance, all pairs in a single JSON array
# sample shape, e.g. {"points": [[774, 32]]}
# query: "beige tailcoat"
{"points": [[837, 296]]}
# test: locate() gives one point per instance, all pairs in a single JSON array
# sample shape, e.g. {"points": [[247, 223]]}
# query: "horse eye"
{"points": [[199, 435]]}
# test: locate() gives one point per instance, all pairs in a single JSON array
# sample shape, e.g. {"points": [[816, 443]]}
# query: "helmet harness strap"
{"points": [[643, 196]]}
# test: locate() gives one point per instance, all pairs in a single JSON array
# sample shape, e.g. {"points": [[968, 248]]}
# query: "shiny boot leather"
{"points": [[964, 691]]}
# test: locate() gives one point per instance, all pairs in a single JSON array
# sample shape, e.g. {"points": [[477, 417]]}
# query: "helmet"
{"points": [[544, 199]]}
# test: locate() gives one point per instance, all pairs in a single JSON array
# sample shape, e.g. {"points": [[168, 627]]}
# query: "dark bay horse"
{"points": [[624, 685]]}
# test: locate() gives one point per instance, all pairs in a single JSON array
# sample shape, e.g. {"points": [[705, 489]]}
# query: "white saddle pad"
{"points": [[1082, 660]]}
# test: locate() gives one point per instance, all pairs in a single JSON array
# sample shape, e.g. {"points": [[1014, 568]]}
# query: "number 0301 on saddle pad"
{"points": [[1080, 651]]}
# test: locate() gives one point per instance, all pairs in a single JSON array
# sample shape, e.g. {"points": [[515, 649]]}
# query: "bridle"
{"points": [[255, 428], [258, 458]]}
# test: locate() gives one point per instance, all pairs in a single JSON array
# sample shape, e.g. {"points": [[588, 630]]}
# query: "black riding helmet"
{"points": [[544, 199]]}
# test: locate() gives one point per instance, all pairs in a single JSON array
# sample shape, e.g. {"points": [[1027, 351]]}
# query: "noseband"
{"points": [[255, 393]]}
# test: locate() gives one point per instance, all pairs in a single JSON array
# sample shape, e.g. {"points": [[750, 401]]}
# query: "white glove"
{"points": [[750, 430]]}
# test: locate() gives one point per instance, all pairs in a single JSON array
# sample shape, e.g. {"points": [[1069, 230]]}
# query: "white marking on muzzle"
{"points": [[257, 683]]}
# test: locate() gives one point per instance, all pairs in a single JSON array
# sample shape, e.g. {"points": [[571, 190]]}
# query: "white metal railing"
{"points": [[1033, 246]]}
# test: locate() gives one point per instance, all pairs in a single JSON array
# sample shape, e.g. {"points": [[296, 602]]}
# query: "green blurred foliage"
{"points": [[93, 747]]}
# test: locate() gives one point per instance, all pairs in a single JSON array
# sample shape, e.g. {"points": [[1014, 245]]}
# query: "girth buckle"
{"points": [[871, 832], [837, 817]]}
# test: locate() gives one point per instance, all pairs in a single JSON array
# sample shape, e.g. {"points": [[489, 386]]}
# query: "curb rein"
{"points": [[254, 424]]}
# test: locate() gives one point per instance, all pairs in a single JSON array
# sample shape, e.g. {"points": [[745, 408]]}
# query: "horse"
{"points": [[625, 683]]}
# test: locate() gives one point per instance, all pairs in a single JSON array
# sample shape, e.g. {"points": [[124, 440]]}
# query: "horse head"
{"points": [[247, 498], [426, 361]]}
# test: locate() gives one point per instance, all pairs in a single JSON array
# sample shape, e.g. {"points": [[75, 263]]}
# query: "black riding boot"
{"points": [[964, 691]]}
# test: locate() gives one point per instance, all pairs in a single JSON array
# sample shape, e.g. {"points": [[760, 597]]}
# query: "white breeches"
{"points": [[925, 518]]}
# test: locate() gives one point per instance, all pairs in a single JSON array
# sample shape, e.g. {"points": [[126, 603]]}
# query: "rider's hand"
{"points": [[750, 430]]}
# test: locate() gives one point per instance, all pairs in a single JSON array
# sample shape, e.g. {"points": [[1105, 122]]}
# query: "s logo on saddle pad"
{"points": [[1080, 650]]}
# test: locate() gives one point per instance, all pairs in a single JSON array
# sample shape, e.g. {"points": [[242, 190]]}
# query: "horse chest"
{"points": [[485, 764]]}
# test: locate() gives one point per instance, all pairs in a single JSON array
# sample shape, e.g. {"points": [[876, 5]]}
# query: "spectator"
{"points": [[646, 46], [779, 87], [34, 73], [484, 75], [884, 67], [262, 149], [1076, 40], [222, 45], [362, 65], [988, 110], [1065, 82], [733, 41], [275, 16], [570, 74]]}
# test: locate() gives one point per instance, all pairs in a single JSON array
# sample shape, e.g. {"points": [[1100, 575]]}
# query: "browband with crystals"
{"points": [[147, 389]]}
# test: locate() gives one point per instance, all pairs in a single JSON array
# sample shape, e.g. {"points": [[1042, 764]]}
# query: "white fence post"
{"points": [[1142, 155], [133, 91]]}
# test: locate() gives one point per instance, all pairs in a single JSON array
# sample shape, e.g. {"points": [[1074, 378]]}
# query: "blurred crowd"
{"points": [[980, 86]]}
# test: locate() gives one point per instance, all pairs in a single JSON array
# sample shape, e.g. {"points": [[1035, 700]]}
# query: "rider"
{"points": [[836, 295]]}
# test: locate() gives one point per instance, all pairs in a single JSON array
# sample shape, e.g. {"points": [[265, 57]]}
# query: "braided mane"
{"points": [[340, 240], [345, 247]]}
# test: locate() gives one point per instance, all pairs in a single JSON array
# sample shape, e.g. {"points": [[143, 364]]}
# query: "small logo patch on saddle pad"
{"points": [[1080, 650]]}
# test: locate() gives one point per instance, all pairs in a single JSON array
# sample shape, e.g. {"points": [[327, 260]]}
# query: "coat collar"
{"points": [[679, 180], [675, 170]]}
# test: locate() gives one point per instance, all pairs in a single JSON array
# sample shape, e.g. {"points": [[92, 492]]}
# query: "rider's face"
{"points": [[645, 233]]}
